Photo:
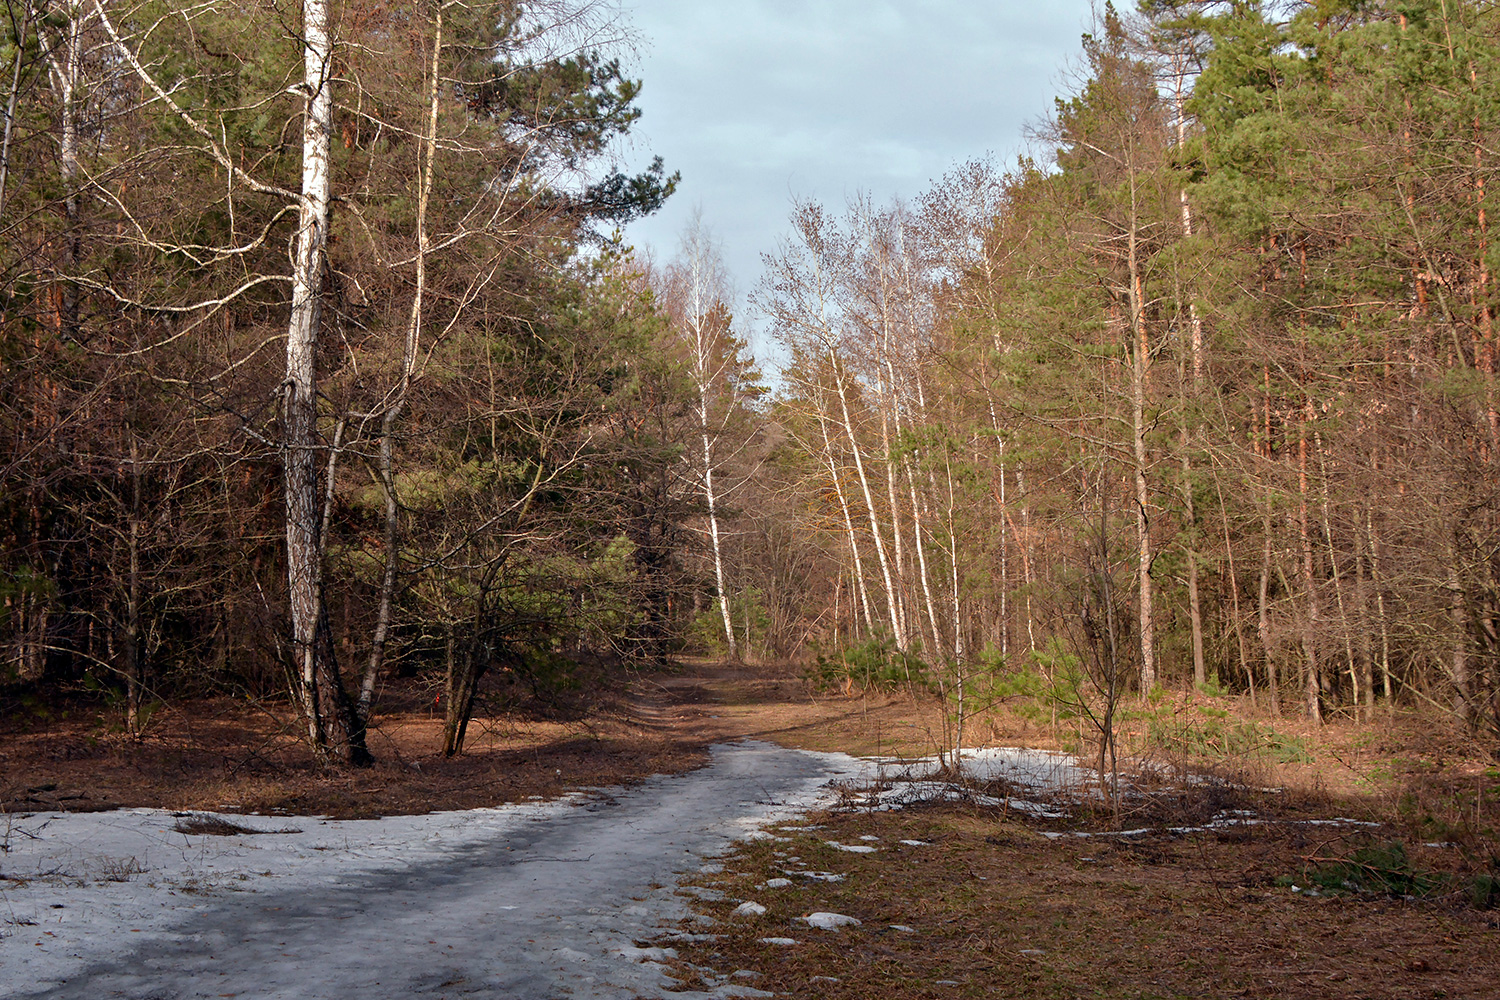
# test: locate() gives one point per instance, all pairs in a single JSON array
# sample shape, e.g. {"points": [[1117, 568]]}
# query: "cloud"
{"points": [[759, 100]]}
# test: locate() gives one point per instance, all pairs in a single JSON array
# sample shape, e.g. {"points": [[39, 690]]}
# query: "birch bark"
{"points": [[329, 714]]}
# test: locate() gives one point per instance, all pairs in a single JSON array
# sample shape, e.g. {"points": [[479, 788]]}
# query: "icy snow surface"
{"points": [[829, 921], [851, 848], [537, 900], [907, 782]]}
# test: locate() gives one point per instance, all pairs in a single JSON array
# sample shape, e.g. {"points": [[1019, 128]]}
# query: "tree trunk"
{"points": [[1263, 613], [1234, 597], [1362, 622], [329, 713], [897, 626], [69, 163], [397, 405], [713, 529], [917, 508], [1026, 558], [1312, 687], [134, 662], [838, 490], [1195, 608], [461, 683], [1385, 635], [1463, 695], [1140, 370], [1338, 581], [10, 102], [1195, 353]]}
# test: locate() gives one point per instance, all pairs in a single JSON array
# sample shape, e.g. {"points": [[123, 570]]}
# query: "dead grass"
{"points": [[226, 755], [997, 909], [207, 824]]}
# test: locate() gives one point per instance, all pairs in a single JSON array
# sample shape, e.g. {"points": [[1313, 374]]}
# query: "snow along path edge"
{"points": [[530, 900], [526, 900]]}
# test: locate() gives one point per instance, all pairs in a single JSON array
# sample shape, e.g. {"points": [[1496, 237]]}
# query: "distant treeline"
{"points": [[1203, 392], [316, 369]]}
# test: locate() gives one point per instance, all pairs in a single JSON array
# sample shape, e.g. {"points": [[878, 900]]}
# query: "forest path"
{"points": [[718, 702], [547, 903]]}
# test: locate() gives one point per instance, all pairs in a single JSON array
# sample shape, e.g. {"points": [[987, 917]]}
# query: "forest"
{"points": [[324, 368]]}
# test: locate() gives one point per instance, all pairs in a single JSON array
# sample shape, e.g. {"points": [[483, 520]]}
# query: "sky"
{"points": [[760, 101]]}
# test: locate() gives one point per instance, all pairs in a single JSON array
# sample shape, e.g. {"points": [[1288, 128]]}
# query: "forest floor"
{"points": [[1339, 862], [245, 756]]}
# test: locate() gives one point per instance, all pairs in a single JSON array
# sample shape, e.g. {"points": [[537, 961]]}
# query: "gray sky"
{"points": [[759, 100]]}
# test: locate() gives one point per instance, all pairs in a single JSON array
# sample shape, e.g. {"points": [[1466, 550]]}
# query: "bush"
{"points": [[1213, 735], [875, 664]]}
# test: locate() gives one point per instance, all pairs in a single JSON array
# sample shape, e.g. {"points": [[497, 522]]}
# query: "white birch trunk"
{"points": [[329, 714], [838, 490], [703, 364], [864, 485], [11, 99], [887, 389], [713, 531], [65, 68], [1140, 370]]}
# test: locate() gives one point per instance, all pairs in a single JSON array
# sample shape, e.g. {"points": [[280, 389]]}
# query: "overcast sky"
{"points": [[756, 101]]}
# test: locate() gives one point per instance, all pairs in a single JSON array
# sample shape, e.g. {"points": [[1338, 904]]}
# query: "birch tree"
{"points": [[698, 296]]}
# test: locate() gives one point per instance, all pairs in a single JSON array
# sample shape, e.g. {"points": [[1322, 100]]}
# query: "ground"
{"points": [[1227, 886]]}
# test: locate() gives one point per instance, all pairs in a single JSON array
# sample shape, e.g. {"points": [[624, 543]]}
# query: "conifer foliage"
{"points": [[1224, 348], [305, 376]]}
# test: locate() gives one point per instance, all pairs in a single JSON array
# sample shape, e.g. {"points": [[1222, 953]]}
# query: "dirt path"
{"points": [[537, 904], [533, 900], [235, 756]]}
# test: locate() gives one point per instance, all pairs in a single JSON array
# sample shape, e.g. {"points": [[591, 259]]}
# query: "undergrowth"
{"points": [[1386, 869], [1210, 733]]}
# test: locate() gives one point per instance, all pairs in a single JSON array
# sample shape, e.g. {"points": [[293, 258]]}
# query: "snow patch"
{"points": [[554, 894], [852, 848]]}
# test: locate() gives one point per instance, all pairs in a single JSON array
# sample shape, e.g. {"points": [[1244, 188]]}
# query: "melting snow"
{"points": [[852, 848], [532, 899]]}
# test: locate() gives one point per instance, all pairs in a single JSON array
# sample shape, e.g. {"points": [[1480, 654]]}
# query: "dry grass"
{"points": [[226, 755], [998, 909]]}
